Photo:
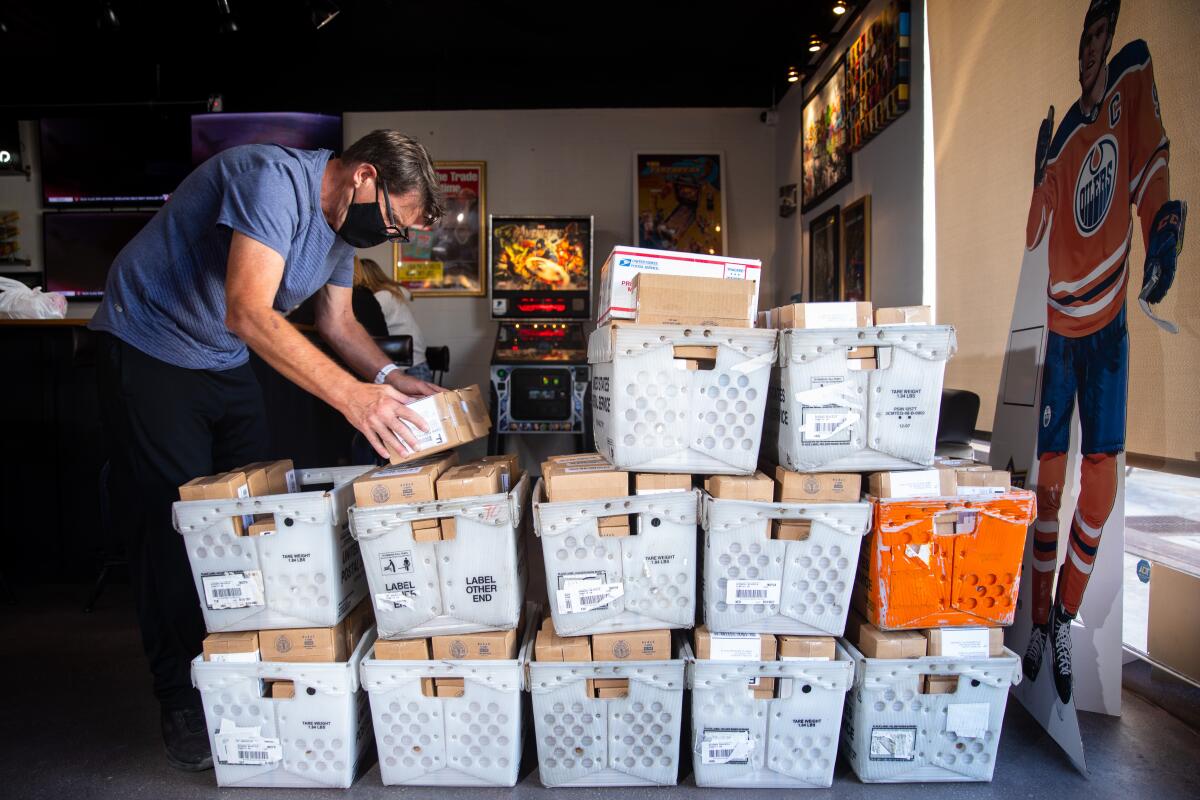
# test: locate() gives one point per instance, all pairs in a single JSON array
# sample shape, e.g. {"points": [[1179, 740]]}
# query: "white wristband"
{"points": [[388, 369]]}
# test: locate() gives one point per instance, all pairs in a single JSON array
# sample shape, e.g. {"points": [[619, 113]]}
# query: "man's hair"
{"points": [[404, 165]]}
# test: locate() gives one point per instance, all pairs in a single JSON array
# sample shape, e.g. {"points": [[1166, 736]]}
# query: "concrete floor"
{"points": [[80, 722]]}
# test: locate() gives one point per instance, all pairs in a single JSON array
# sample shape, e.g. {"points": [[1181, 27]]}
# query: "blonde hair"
{"points": [[368, 273]]}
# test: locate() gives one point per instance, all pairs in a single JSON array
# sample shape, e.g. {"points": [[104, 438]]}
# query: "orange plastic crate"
{"points": [[944, 562]]}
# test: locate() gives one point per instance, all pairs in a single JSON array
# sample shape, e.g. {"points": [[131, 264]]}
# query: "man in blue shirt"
{"points": [[246, 237]]}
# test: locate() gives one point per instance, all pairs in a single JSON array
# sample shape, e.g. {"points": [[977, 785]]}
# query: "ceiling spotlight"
{"points": [[227, 23], [793, 75], [814, 43], [322, 13], [107, 20], [839, 7]]}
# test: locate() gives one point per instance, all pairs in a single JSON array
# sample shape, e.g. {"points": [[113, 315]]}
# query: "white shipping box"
{"points": [[617, 274]]}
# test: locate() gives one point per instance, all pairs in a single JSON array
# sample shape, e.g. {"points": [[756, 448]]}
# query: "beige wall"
{"points": [[996, 68]]}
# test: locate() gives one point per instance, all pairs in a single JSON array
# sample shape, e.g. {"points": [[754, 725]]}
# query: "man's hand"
{"points": [[1045, 135], [377, 411], [413, 387]]}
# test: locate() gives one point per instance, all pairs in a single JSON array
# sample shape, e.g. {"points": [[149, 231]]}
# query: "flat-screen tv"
{"points": [[212, 133], [78, 248], [134, 157]]}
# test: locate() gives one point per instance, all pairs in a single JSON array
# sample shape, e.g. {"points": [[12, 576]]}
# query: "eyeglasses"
{"points": [[393, 231]]}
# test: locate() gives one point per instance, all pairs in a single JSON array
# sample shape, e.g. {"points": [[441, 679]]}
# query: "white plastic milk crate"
{"points": [[787, 742], [306, 574], [471, 583], [623, 741], [473, 740], [758, 584], [601, 584], [893, 733], [652, 414], [315, 739], [827, 417]]}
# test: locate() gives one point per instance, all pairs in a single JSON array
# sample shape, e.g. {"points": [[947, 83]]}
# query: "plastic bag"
{"points": [[18, 301]]}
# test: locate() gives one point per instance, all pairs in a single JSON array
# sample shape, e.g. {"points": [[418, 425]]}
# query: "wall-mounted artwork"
{"points": [[447, 260], [878, 71], [787, 200], [856, 250], [824, 268], [825, 154], [679, 202]]}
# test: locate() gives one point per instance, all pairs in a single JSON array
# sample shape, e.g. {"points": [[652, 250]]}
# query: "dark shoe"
{"points": [[1032, 663], [1060, 643], [185, 737]]}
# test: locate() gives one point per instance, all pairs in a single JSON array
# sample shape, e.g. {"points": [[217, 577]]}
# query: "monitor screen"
{"points": [[540, 267], [132, 158], [80, 247], [212, 133]]}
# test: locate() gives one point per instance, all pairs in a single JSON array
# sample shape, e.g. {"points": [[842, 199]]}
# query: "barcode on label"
{"points": [[253, 755], [227, 592], [234, 589], [752, 593], [724, 752], [745, 592]]}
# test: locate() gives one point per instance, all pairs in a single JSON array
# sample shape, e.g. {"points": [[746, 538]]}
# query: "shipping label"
{"points": [[735, 647], [726, 746], [893, 743], [232, 589], [580, 592], [741, 592], [245, 746]]}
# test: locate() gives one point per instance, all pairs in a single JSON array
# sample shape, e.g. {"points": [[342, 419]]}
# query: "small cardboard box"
{"points": [[608, 688], [449, 687], [549, 646], [914, 483], [414, 482], [318, 645], [686, 300], [965, 642], [614, 530], [854, 623], [222, 486], [271, 477], [468, 480], [283, 690], [974, 482], [791, 530], [402, 649], [453, 418], [632, 646], [624, 264], [862, 364], [807, 648], [660, 483], [904, 315], [939, 684], [757, 487], [264, 528], [486, 646], [570, 481], [874, 643], [734, 646], [825, 315], [819, 487], [238, 646], [510, 469]]}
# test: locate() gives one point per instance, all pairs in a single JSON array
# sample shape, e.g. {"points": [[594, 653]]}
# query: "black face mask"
{"points": [[364, 225]]}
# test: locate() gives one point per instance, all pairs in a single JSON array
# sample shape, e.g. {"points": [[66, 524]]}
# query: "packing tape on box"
{"points": [[756, 363]]}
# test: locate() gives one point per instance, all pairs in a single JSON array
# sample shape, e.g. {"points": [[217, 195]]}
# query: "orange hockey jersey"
{"points": [[1095, 170]]}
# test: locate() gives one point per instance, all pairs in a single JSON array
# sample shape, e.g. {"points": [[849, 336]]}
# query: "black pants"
{"points": [[166, 425]]}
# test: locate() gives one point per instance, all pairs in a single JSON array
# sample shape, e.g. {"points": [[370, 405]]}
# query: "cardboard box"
{"points": [[965, 642], [449, 687], [486, 646], [271, 477], [656, 483], [825, 315], [791, 530], [625, 263], [734, 646], [854, 622], [826, 487], [807, 648], [686, 300], [757, 487], [609, 688], [862, 364], [402, 649], [913, 483], [283, 690], [632, 646], [468, 480], [549, 646], [318, 645], [264, 528], [1174, 598], [414, 482], [237, 646], [874, 643], [614, 530], [971, 482], [939, 684], [222, 486], [571, 481], [510, 469], [762, 320], [454, 418], [904, 315]]}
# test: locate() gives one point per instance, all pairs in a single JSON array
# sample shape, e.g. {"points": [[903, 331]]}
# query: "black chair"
{"points": [[956, 423], [438, 359], [397, 348]]}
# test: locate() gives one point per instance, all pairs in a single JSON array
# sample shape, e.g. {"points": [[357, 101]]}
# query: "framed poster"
{"points": [[540, 267], [447, 260], [823, 130], [787, 200], [679, 202], [856, 250], [878, 68], [824, 268]]}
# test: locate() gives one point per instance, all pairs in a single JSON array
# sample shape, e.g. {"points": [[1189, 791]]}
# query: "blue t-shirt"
{"points": [[166, 290]]}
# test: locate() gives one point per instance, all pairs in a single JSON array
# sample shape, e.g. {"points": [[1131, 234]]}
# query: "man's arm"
{"points": [[337, 325], [252, 278]]}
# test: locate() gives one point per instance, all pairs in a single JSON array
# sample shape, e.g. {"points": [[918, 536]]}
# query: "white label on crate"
{"points": [[978, 491], [965, 642], [290, 480], [968, 720], [234, 589], [396, 562], [234, 658], [918, 483], [751, 593], [246, 746], [893, 743], [735, 647], [726, 746], [392, 601], [579, 595], [427, 408], [830, 315], [754, 682], [827, 425]]}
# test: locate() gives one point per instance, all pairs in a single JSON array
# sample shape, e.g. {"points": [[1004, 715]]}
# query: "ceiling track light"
{"points": [[227, 23], [814, 43], [839, 7], [322, 12], [107, 19], [793, 75]]}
